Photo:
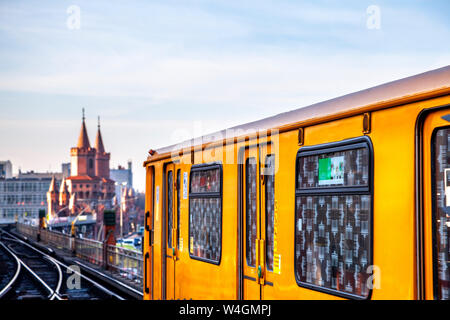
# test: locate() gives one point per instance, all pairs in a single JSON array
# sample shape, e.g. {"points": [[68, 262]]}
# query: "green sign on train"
{"points": [[331, 171]]}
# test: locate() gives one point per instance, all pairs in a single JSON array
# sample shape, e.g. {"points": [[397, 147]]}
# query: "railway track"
{"points": [[29, 273]]}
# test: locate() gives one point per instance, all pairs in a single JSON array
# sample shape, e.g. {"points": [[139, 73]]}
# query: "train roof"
{"points": [[425, 85]]}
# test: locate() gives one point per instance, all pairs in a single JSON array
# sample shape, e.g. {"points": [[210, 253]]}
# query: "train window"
{"points": [[441, 213], [169, 208], [205, 213], [178, 208], [333, 227], [270, 209], [250, 211]]}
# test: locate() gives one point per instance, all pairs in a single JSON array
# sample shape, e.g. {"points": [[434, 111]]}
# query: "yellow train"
{"points": [[345, 199]]}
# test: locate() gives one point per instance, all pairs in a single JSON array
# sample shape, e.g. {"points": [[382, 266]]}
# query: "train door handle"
{"points": [[147, 216], [147, 289], [147, 228]]}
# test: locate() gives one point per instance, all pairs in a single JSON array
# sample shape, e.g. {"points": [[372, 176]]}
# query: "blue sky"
{"points": [[153, 69]]}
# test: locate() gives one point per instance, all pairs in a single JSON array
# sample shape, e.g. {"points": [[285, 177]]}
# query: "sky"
{"points": [[161, 71]]}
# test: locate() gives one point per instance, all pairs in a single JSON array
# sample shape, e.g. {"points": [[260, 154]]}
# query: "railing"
{"points": [[56, 239], [29, 231], [89, 250], [125, 263]]}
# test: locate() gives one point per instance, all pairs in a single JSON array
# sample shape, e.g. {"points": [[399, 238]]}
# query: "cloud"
{"points": [[254, 53], [246, 79]]}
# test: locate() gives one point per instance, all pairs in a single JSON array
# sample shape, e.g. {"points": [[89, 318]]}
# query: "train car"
{"points": [[344, 199]]}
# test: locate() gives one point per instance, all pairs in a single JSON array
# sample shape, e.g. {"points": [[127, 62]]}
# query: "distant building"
{"points": [[89, 179], [88, 189], [5, 169], [23, 196], [39, 175], [65, 169], [133, 213], [123, 178]]}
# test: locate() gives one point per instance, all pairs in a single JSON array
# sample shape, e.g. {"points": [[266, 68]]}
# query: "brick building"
{"points": [[89, 186]]}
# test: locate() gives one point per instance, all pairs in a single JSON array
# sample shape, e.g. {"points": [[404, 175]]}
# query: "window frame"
{"points": [[169, 197], [178, 213], [344, 145], [257, 221], [203, 167], [269, 268]]}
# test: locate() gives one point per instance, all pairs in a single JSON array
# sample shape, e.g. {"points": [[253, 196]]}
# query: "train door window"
{"points": [[270, 209], [169, 208], [333, 221], [149, 226], [169, 230], [441, 213], [205, 213], [178, 208], [250, 210]]}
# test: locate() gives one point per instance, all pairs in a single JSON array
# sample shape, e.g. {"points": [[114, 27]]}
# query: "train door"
{"points": [[258, 203], [436, 204], [171, 206], [148, 237]]}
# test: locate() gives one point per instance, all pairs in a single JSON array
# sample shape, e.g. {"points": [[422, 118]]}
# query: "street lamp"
{"points": [[121, 185]]}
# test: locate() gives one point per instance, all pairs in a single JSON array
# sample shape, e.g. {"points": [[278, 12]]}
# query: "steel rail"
{"points": [[58, 287], [14, 278], [42, 282], [109, 292], [110, 278]]}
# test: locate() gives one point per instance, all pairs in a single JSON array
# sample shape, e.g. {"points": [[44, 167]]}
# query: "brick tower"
{"points": [[83, 156], [101, 157], [89, 187], [90, 169]]}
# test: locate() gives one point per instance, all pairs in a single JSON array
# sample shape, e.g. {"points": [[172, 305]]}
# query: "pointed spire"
{"points": [[98, 140], [63, 187], [124, 193], [83, 140], [52, 185], [72, 202], [63, 194]]}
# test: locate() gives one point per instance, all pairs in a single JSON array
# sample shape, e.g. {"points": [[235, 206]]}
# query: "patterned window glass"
{"points": [[270, 209], [169, 208], [205, 181], [333, 228], [250, 210], [344, 168], [205, 214], [178, 209], [441, 212]]}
